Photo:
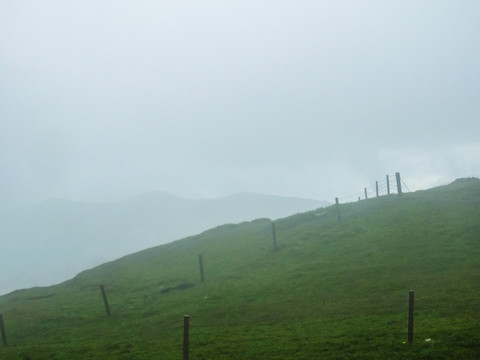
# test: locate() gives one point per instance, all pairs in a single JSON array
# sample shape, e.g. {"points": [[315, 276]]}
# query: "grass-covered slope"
{"points": [[333, 290]]}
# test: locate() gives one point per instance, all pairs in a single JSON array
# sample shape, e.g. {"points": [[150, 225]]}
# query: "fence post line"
{"points": [[399, 184], [2, 330], [338, 209], [410, 316], [105, 301], [186, 327], [274, 235], [388, 185], [200, 261]]}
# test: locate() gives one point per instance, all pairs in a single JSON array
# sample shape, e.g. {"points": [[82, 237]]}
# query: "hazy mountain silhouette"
{"points": [[52, 241]]}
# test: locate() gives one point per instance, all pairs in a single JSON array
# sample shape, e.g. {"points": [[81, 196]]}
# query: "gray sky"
{"points": [[102, 100]]}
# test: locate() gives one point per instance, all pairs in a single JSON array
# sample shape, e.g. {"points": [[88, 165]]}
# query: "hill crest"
{"points": [[334, 289]]}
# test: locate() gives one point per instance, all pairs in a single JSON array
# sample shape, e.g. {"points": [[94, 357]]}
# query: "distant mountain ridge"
{"points": [[53, 240]]}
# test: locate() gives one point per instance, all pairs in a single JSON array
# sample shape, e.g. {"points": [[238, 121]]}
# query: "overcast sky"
{"points": [[103, 100]]}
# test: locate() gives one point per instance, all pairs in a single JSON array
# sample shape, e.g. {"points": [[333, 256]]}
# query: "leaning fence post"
{"points": [[274, 235], [186, 327], [2, 330], [105, 301], [399, 184], [410, 316], [200, 262]]}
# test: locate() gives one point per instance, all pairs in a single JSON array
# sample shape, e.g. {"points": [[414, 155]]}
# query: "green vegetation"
{"points": [[333, 290]]}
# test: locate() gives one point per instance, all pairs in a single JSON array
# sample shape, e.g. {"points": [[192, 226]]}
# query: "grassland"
{"points": [[333, 290]]}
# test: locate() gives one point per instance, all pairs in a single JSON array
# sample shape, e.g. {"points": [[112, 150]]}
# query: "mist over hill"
{"points": [[53, 240], [333, 289]]}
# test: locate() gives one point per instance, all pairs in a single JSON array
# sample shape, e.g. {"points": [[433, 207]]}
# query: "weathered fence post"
{"points": [[200, 261], [366, 197], [410, 316], [186, 327], [274, 235], [338, 209], [105, 301], [388, 185], [376, 187], [399, 184], [2, 330]]}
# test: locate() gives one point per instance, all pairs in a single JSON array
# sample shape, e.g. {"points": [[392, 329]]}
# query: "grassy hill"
{"points": [[65, 237], [333, 290]]}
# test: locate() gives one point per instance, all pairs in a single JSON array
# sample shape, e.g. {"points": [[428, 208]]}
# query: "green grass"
{"points": [[334, 290]]}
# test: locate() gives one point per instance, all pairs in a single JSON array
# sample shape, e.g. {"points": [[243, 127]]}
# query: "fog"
{"points": [[104, 100]]}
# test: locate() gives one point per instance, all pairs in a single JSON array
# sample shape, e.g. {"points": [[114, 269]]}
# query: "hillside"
{"points": [[59, 238], [333, 290]]}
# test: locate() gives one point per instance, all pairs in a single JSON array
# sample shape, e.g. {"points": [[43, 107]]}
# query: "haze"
{"points": [[102, 100]]}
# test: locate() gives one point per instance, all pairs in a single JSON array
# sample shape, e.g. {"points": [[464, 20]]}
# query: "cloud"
{"points": [[428, 167], [104, 100]]}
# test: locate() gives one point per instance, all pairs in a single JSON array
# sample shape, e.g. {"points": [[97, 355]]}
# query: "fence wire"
{"points": [[385, 186]]}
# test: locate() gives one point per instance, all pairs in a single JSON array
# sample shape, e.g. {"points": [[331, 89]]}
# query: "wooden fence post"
{"points": [[200, 261], [399, 184], [376, 187], [410, 316], [338, 209], [186, 327], [274, 235], [105, 301], [388, 185], [366, 197], [2, 330]]}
